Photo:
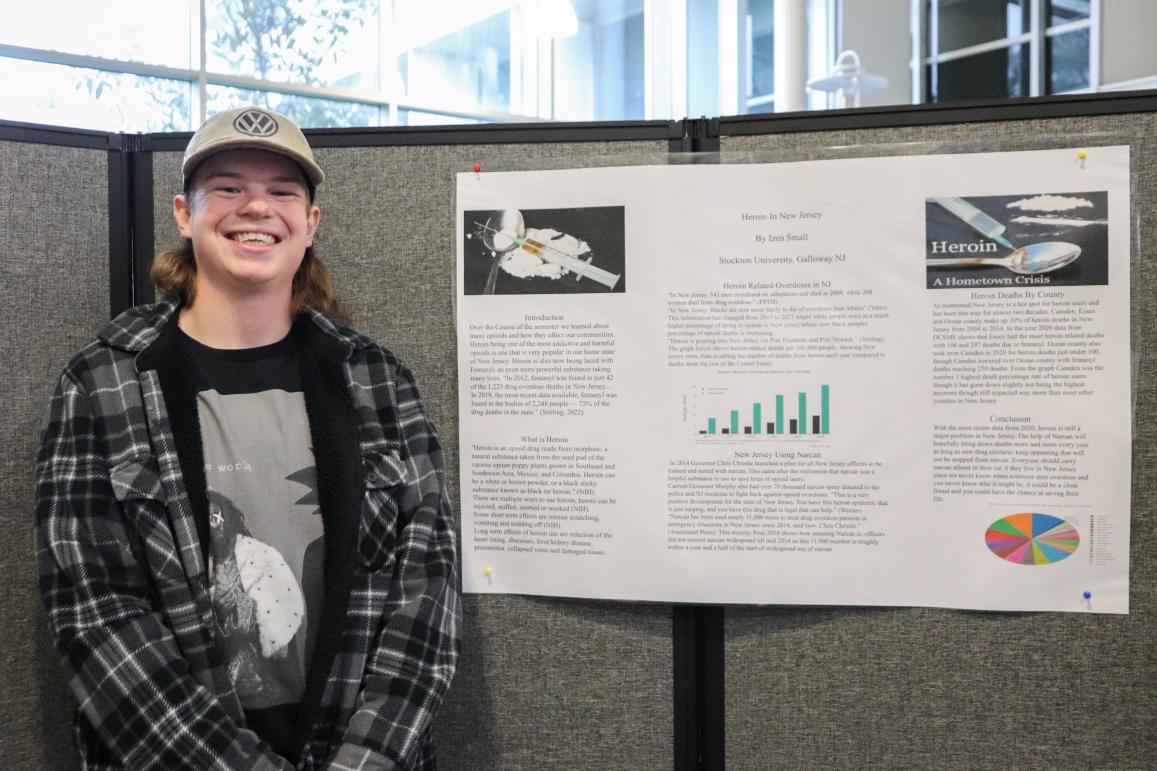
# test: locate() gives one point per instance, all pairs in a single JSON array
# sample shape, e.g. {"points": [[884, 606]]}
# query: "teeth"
{"points": [[254, 238]]}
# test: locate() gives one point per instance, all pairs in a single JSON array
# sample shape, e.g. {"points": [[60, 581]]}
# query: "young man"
{"points": [[245, 544]]}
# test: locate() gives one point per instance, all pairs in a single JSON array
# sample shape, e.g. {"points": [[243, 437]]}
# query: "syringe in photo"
{"points": [[544, 251]]}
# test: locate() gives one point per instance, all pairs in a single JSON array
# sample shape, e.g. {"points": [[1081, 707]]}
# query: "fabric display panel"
{"points": [[541, 683], [576, 684], [918, 688], [54, 280]]}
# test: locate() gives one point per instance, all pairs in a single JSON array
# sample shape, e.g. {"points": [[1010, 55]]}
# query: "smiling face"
{"points": [[250, 219]]}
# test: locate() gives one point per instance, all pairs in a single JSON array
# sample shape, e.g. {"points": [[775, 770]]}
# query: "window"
{"points": [[37, 92], [760, 29], [467, 66], [1068, 52], [984, 49], [158, 33], [599, 71], [139, 65]]}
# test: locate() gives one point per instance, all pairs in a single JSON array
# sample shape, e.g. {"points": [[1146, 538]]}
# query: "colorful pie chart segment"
{"points": [[1032, 539]]}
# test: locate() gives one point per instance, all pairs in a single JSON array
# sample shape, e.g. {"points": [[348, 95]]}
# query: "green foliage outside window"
{"points": [[275, 40]]}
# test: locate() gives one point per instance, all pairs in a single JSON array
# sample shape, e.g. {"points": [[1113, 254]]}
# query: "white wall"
{"points": [[878, 30], [1128, 40]]}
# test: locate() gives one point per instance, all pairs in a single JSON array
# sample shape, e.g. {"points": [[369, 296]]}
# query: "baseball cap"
{"points": [[251, 128]]}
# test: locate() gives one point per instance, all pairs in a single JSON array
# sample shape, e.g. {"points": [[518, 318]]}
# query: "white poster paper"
{"points": [[877, 381]]}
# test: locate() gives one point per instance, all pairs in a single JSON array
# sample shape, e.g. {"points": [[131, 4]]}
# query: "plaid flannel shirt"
{"points": [[123, 577]]}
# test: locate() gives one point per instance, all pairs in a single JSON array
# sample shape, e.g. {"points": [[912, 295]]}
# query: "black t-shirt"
{"points": [[266, 547]]}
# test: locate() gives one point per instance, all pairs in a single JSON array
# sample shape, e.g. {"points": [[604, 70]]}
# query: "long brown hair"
{"points": [[175, 272]]}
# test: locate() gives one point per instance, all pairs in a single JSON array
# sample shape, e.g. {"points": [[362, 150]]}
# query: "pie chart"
{"points": [[1032, 539]]}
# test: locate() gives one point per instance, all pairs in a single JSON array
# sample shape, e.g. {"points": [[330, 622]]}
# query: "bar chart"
{"points": [[798, 413]]}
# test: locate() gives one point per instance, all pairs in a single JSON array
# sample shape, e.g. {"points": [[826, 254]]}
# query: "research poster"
{"points": [[878, 381]]}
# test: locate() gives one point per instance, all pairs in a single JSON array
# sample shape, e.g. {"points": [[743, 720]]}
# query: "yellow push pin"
{"points": [[488, 571], [1082, 155]]}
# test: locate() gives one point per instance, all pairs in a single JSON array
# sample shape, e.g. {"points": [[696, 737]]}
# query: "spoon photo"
{"points": [[1036, 258], [499, 234]]}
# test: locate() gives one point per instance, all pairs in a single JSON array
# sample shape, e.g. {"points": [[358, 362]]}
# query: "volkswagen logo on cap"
{"points": [[255, 123]]}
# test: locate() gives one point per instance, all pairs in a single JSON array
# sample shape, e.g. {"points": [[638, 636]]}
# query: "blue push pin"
{"points": [[1088, 595]]}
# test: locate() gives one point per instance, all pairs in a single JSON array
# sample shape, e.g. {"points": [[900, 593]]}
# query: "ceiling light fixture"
{"points": [[557, 19]]}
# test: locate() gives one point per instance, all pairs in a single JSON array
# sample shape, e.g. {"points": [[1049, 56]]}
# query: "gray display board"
{"points": [[838, 688], [542, 683], [54, 281], [568, 684]]}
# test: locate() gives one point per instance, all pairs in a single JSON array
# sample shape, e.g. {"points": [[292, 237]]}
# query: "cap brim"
{"points": [[311, 169]]}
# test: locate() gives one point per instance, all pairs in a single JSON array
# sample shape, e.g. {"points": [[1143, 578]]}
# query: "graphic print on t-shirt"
{"points": [[266, 544]]}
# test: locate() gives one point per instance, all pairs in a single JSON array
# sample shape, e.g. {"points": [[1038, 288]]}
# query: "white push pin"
{"points": [[1082, 155]]}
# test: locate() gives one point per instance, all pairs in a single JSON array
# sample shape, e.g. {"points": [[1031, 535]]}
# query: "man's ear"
{"points": [[184, 215], [312, 219]]}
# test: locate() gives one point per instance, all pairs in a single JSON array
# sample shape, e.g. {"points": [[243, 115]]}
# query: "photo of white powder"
{"points": [[1057, 221], [1050, 203], [524, 264]]}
